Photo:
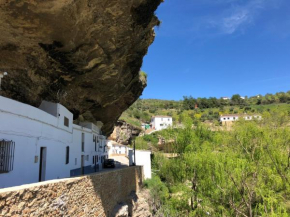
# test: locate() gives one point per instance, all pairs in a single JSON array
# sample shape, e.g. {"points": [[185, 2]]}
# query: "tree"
{"points": [[236, 99], [242, 172]]}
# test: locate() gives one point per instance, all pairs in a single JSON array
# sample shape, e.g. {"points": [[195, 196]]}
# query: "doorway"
{"points": [[42, 164]]}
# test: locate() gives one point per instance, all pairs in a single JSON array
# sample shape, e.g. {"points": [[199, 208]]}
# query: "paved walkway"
{"points": [[120, 162]]}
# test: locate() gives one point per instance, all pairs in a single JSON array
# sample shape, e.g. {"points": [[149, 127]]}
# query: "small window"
{"points": [[168, 119], [67, 155], [87, 157], [224, 118], [93, 159], [66, 122], [95, 142], [76, 161], [6, 156]]}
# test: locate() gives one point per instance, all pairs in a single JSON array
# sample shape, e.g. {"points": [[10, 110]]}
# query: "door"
{"points": [[42, 164], [82, 164], [95, 162]]}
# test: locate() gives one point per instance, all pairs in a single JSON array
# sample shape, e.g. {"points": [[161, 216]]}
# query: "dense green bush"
{"points": [[242, 172]]}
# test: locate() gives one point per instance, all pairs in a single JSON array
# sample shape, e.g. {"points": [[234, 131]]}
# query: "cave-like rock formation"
{"points": [[124, 133], [85, 54]]}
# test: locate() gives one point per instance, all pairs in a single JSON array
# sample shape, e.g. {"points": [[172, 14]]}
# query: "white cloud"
{"points": [[239, 15], [230, 24]]}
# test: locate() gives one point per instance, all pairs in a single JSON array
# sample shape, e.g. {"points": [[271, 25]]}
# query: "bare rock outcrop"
{"points": [[85, 54], [137, 205], [123, 132]]}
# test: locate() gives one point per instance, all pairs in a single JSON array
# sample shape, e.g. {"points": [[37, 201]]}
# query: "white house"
{"points": [[117, 149], [143, 158], [38, 144], [161, 122], [234, 117]]}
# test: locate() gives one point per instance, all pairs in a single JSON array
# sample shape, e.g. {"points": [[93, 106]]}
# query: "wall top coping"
{"points": [[72, 179], [143, 151]]}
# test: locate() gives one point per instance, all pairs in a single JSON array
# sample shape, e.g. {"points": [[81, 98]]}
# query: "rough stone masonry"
{"points": [[92, 195]]}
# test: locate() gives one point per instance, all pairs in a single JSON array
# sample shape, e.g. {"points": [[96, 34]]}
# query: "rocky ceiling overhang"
{"points": [[85, 54]]}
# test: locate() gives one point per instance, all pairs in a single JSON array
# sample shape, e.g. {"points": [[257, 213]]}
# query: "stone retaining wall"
{"points": [[92, 195]]}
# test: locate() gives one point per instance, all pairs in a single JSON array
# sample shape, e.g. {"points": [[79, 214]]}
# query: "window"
{"points": [[95, 140], [224, 118], [93, 159], [66, 122], [67, 155], [76, 161], [83, 142], [168, 119], [6, 156]]}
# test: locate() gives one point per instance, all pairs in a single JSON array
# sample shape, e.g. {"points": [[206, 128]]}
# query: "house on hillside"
{"points": [[38, 144], [225, 98], [230, 118], [161, 122]]}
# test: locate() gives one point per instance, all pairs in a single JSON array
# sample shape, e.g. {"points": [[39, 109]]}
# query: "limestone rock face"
{"points": [[123, 132], [85, 54]]}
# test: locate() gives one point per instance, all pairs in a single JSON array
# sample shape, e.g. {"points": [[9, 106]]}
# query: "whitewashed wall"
{"points": [[236, 117], [143, 158], [31, 128], [116, 148], [160, 123]]}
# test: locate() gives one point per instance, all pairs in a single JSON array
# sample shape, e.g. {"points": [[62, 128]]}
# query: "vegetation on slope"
{"points": [[207, 109], [242, 172]]}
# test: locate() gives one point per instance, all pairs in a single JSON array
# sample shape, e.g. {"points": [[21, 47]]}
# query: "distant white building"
{"points": [[38, 144], [234, 117], [116, 149], [225, 98], [161, 122]]}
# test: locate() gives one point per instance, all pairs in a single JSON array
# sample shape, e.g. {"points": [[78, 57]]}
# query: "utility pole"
{"points": [[134, 153], [134, 147]]}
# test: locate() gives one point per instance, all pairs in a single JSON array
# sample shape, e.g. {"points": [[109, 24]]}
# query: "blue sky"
{"points": [[219, 48]]}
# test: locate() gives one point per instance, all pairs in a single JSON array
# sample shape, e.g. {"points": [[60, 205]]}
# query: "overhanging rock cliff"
{"points": [[85, 54]]}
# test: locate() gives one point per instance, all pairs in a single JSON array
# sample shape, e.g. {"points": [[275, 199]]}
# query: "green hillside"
{"points": [[205, 109]]}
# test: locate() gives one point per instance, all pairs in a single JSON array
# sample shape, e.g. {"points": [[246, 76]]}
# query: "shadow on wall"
{"points": [[99, 194], [116, 190]]}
